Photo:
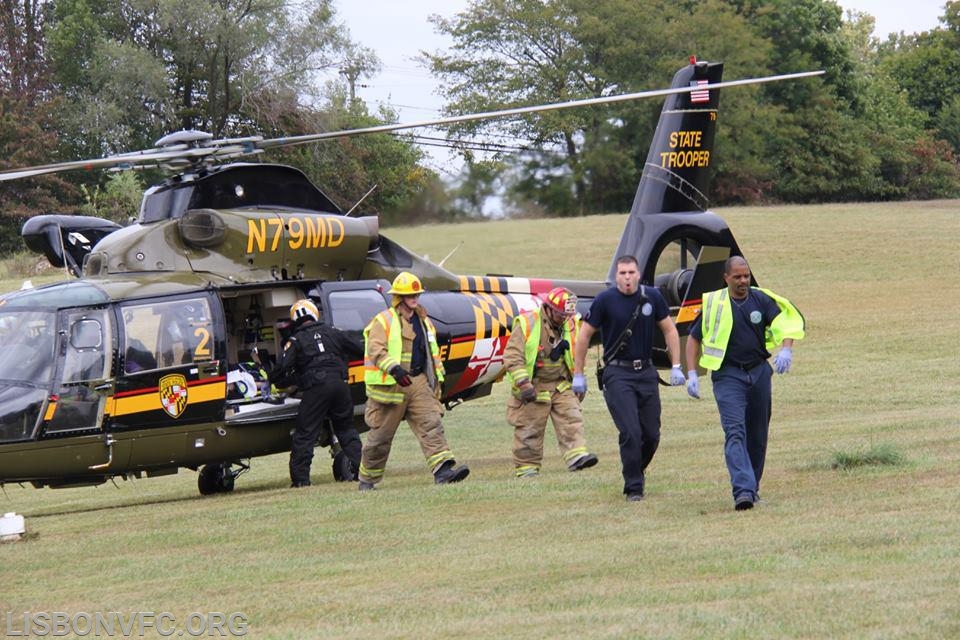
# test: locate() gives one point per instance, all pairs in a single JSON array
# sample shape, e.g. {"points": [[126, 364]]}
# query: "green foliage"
{"points": [[347, 168], [520, 52], [926, 67], [119, 200], [883, 454], [26, 140], [139, 70], [948, 123]]}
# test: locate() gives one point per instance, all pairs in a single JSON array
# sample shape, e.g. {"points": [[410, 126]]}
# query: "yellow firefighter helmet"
{"points": [[406, 284]]}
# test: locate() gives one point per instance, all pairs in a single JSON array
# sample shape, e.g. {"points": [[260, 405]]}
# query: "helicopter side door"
{"points": [[86, 354], [350, 306], [171, 363]]}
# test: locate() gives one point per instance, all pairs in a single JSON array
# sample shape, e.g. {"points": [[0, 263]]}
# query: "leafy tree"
{"points": [[926, 65], [27, 114], [948, 123], [510, 53], [347, 168], [137, 69], [119, 200]]}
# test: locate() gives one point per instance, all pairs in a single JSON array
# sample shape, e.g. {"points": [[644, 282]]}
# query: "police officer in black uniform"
{"points": [[317, 356], [625, 315]]}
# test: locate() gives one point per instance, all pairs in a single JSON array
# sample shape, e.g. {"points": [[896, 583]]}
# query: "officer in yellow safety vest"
{"points": [[738, 327], [403, 374], [538, 360]]}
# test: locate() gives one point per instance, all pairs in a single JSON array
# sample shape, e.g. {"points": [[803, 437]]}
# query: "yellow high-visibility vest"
{"points": [[377, 379], [529, 325], [717, 323]]}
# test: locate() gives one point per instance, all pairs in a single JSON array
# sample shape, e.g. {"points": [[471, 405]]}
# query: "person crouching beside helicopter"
{"points": [[538, 360], [317, 356], [403, 377]]}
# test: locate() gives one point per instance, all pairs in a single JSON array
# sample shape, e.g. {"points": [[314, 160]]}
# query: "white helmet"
{"points": [[304, 308]]}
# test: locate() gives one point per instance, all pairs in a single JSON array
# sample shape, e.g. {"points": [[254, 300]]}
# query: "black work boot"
{"points": [[585, 461], [449, 472]]}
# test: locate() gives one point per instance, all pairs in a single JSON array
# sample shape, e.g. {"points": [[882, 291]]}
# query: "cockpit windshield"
{"points": [[29, 340]]}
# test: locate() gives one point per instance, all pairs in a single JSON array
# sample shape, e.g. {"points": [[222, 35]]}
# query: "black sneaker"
{"points": [[743, 503], [634, 497], [296, 484], [583, 462], [449, 473]]}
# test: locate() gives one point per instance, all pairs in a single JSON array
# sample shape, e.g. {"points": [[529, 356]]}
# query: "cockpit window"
{"points": [[27, 346]]}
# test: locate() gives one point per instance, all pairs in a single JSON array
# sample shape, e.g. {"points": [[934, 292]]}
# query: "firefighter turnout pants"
{"points": [[422, 411], [529, 422]]}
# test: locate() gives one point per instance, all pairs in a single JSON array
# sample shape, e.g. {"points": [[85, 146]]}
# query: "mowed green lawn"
{"points": [[872, 552]]}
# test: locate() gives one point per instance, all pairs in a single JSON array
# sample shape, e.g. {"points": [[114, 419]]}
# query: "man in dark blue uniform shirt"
{"points": [[737, 327], [626, 316]]}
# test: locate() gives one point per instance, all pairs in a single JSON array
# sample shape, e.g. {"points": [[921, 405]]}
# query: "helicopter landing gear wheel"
{"points": [[219, 478], [343, 469]]}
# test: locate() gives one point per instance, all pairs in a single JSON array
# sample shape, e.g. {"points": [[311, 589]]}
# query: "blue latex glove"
{"points": [[676, 376], [579, 384], [783, 360], [693, 384]]}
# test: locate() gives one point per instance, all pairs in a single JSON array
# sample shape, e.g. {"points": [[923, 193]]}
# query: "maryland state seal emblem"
{"points": [[173, 394]]}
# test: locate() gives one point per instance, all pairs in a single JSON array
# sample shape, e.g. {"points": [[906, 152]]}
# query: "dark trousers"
{"points": [[328, 399], [744, 401], [633, 400]]}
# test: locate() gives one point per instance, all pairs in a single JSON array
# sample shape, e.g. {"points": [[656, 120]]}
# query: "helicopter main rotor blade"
{"points": [[173, 155], [304, 139], [192, 150]]}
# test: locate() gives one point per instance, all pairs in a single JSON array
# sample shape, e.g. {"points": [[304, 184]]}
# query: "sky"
{"points": [[398, 31]]}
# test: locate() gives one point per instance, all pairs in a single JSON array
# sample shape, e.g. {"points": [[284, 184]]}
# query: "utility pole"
{"points": [[351, 73]]}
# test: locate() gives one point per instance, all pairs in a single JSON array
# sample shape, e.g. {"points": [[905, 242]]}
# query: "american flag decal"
{"points": [[700, 95]]}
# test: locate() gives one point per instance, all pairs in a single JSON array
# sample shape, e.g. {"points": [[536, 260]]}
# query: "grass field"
{"points": [[868, 551]]}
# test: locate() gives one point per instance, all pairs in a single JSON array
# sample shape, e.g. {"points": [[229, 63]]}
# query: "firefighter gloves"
{"points": [[401, 375], [527, 392], [557, 352]]}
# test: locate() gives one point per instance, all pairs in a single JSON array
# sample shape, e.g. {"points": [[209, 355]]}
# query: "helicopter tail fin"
{"points": [[676, 175], [707, 276]]}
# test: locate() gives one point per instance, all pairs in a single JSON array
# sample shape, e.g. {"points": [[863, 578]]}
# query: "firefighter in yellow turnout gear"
{"points": [[539, 363], [403, 374]]}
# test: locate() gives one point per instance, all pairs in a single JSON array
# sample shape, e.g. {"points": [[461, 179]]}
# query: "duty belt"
{"points": [[745, 367], [630, 364]]}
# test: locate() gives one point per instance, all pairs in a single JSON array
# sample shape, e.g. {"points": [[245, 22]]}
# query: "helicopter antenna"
{"points": [[361, 200], [63, 250], [452, 251]]}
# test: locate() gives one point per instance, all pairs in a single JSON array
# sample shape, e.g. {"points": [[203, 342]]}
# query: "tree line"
{"points": [[86, 78]]}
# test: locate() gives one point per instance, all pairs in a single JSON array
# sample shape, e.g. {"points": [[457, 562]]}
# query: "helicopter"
{"points": [[141, 365]]}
